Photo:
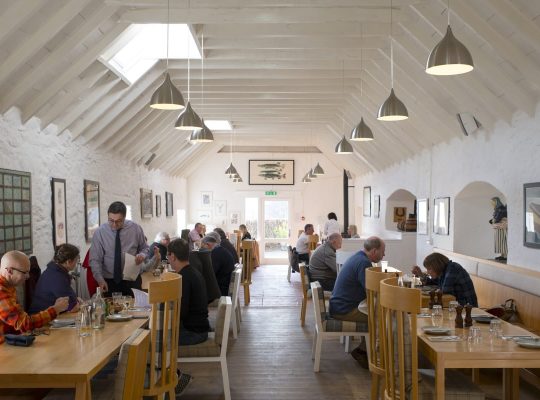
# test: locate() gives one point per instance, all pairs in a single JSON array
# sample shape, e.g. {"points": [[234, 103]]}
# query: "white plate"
{"points": [[435, 330], [118, 317], [529, 343]]}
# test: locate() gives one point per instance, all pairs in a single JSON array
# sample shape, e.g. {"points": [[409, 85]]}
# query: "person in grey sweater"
{"points": [[322, 263]]}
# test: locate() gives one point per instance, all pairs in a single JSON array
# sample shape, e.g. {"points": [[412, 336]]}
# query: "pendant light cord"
{"points": [[391, 48], [202, 70], [343, 94], [188, 69], [448, 12], [168, 19], [361, 56]]}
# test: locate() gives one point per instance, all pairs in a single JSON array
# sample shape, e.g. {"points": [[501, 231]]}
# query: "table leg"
{"points": [[83, 390], [439, 382], [476, 376], [511, 383]]}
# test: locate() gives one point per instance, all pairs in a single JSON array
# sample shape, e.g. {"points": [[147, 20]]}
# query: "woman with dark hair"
{"points": [[331, 226], [226, 244], [451, 278], [55, 282], [245, 234]]}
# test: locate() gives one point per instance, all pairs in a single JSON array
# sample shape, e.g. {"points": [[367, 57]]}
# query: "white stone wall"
{"points": [[506, 157], [46, 155]]}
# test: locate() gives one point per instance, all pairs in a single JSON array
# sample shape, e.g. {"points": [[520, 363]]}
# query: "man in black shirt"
{"points": [[222, 261], [194, 325]]}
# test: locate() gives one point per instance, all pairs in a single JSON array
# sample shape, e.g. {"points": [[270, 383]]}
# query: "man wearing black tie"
{"points": [[111, 241]]}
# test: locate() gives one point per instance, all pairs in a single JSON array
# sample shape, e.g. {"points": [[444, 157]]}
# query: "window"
{"points": [[252, 215]]}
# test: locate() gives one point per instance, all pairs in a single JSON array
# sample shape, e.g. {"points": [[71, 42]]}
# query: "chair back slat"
{"points": [[133, 379], [317, 293]]}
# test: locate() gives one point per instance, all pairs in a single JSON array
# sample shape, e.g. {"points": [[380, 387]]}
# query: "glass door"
{"points": [[276, 232]]}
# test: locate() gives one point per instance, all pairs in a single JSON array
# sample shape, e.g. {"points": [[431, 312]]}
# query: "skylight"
{"points": [[218, 124], [141, 46]]}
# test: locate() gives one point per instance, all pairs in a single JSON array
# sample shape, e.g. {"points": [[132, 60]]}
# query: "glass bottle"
{"points": [[98, 310]]}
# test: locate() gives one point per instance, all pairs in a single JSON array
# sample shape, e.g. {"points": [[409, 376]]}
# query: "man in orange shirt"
{"points": [[14, 271]]}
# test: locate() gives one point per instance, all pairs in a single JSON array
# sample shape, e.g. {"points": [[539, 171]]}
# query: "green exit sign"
{"points": [[270, 193]]}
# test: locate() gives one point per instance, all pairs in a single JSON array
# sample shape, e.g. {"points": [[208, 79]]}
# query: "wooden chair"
{"points": [[304, 278], [234, 289], [313, 240], [374, 276], [164, 296], [214, 349], [327, 327], [247, 264], [398, 309]]}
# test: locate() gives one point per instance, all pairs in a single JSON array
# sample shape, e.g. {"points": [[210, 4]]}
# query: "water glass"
{"points": [[452, 313], [495, 328], [437, 315], [84, 320], [475, 335], [126, 302]]}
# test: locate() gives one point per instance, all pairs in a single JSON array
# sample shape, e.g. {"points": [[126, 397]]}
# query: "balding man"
{"points": [[14, 271], [350, 288], [322, 264]]}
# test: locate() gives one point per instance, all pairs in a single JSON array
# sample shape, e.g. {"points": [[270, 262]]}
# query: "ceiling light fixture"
{"points": [[306, 179], [449, 56], [343, 147], [318, 170], [231, 171], [361, 132], [167, 96], [393, 108], [203, 135]]}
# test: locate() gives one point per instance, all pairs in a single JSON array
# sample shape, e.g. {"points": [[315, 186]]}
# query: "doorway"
{"points": [[275, 230]]}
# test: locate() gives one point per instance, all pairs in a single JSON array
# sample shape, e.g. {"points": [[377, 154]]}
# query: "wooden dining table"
{"points": [[489, 353], [62, 359]]}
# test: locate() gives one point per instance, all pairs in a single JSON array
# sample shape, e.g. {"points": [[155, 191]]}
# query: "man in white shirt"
{"points": [[302, 247]]}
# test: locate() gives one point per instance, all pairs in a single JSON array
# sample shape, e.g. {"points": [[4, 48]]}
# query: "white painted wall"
{"points": [[46, 155], [506, 158]]}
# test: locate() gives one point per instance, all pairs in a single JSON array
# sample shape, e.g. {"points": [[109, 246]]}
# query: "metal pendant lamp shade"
{"points": [[167, 96], [306, 179], [188, 120], [392, 109], [361, 132], [344, 147], [231, 171], [203, 135], [449, 57], [311, 175], [318, 170]]}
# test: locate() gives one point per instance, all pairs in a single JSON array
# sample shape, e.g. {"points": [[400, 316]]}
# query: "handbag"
{"points": [[506, 311]]}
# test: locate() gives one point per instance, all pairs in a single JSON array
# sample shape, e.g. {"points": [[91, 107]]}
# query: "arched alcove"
{"points": [[473, 234], [399, 198]]}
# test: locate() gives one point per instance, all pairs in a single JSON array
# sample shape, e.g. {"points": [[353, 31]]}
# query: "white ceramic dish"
{"points": [[435, 330], [118, 318], [529, 343]]}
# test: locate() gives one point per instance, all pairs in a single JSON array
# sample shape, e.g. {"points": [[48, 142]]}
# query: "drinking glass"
{"points": [[437, 315], [84, 320], [117, 301], [452, 313], [126, 301], [475, 335], [495, 328]]}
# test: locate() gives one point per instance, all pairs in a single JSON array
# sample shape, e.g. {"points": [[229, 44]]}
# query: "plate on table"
{"points": [[118, 317], [62, 323], [436, 330], [483, 319], [529, 343]]}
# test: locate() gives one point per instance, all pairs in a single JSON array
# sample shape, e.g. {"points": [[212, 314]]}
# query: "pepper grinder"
{"points": [[431, 298], [459, 317], [468, 318]]}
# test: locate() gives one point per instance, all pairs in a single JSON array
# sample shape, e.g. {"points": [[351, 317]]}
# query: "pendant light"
{"points": [[306, 179], [343, 147], [393, 108], [361, 132], [203, 135], [231, 171], [188, 119], [318, 170], [449, 56], [311, 175], [167, 96]]}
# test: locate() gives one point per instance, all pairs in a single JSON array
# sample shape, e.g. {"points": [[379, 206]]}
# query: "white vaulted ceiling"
{"points": [[284, 72]]}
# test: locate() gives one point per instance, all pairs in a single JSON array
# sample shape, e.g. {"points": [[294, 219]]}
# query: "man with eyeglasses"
{"points": [[14, 271], [111, 241]]}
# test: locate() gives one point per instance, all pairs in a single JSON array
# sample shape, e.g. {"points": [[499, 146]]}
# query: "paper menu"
{"points": [[141, 298], [131, 269]]}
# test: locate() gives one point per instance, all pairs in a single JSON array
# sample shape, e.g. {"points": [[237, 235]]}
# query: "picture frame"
{"points": [[271, 172], [235, 218], [206, 199], [169, 209], [441, 215], [15, 211], [147, 203], [531, 215], [92, 218], [220, 208], [204, 216], [376, 206], [400, 214], [367, 201], [158, 205], [422, 206], [59, 211]]}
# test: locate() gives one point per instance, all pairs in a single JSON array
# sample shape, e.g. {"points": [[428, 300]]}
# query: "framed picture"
{"points": [[59, 211], [441, 216], [235, 218], [422, 216], [376, 206], [169, 204], [531, 213], [220, 208], [367, 201], [400, 214], [271, 172], [158, 205], [15, 211], [206, 199], [147, 204], [91, 208], [204, 216]]}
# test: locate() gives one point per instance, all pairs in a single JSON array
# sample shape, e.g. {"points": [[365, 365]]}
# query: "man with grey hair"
{"points": [[222, 261], [322, 264], [350, 288], [161, 241]]}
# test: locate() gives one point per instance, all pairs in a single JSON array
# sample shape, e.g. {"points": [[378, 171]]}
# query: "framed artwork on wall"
{"points": [[15, 211], [367, 201], [206, 199], [59, 211], [271, 172], [235, 218], [531, 214], [147, 204], [91, 209], [168, 204], [422, 216], [158, 205], [441, 216], [400, 214], [376, 206], [220, 208]]}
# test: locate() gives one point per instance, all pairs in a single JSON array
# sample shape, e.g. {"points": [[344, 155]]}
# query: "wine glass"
{"points": [[126, 301], [437, 315]]}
